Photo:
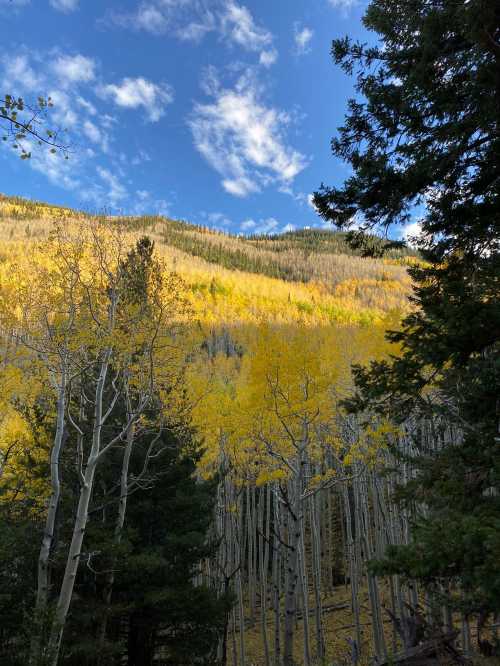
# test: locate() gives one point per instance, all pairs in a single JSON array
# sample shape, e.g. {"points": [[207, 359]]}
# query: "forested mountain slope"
{"points": [[183, 350], [309, 275], [256, 340]]}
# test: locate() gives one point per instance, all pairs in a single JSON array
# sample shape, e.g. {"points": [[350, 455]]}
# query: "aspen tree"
{"points": [[131, 340], [40, 311], [73, 318]]}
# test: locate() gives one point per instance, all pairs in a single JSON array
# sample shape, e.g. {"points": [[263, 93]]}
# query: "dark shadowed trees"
{"points": [[423, 137]]}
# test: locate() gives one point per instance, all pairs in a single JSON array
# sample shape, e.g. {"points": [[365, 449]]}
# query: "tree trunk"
{"points": [[73, 560], [50, 522], [292, 563]]}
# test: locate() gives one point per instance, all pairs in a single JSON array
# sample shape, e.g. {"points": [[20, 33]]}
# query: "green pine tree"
{"points": [[423, 137]]}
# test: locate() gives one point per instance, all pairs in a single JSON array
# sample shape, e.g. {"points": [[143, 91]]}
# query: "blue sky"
{"points": [[219, 112]]}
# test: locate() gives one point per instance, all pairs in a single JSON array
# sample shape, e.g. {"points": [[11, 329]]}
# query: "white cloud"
{"points": [[248, 224], [219, 220], [344, 5], [411, 232], [151, 19], [287, 228], [210, 83], [88, 106], [19, 72], [191, 20], [141, 157], [268, 225], [268, 58], [52, 166], [145, 204], [310, 202], [63, 112], [91, 170], [244, 140], [194, 31], [65, 6], [302, 39], [116, 191], [240, 187], [74, 69], [238, 24], [139, 92], [95, 134]]}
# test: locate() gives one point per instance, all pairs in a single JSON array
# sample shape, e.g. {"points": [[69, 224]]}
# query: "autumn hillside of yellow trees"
{"points": [[122, 332], [309, 277]]}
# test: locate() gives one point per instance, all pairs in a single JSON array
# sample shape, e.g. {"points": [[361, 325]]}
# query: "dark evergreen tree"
{"points": [[167, 612], [159, 613], [424, 134]]}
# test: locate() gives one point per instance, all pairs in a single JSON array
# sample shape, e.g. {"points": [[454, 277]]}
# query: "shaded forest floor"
{"points": [[338, 625], [339, 631]]}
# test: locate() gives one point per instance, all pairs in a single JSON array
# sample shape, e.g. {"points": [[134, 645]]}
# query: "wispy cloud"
{"points": [[247, 225], [76, 87], [244, 140], [74, 69], [191, 20], [144, 202], [139, 92], [216, 220], [238, 25], [268, 58], [343, 5], [65, 6], [116, 191], [311, 204], [18, 72], [302, 37], [267, 225]]}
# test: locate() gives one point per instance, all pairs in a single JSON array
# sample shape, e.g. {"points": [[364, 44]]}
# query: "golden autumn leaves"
{"points": [[287, 380]]}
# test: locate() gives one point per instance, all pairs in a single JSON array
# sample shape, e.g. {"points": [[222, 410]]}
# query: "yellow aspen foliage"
{"points": [[297, 339], [286, 385]]}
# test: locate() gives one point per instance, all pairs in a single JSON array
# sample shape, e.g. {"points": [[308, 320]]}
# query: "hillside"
{"points": [[274, 326], [311, 276], [263, 362]]}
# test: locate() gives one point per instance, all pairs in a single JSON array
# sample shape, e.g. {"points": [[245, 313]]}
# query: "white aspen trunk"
{"points": [[73, 560], [55, 482], [277, 584], [263, 565], [255, 555], [42, 593], [368, 539], [305, 601], [363, 529], [239, 587], [316, 556], [329, 541], [466, 635], [353, 569], [250, 513], [292, 563]]}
